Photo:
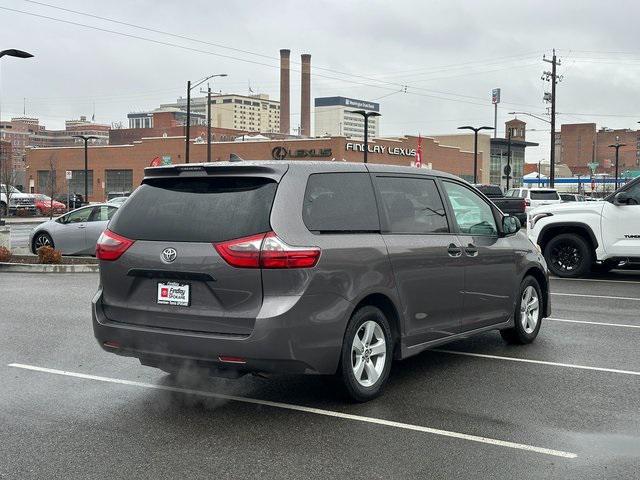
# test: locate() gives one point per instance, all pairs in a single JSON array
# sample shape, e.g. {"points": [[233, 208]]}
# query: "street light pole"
{"points": [[12, 52], [508, 169], [475, 147], [366, 116], [86, 139], [617, 146], [208, 124], [188, 126]]}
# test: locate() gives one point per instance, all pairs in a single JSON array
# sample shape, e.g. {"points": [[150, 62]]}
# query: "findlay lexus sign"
{"points": [[280, 153], [382, 149]]}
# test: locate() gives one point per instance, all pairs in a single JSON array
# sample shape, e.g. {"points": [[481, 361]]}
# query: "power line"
{"points": [[429, 93]]}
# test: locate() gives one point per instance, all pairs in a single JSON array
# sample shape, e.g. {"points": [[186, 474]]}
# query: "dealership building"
{"points": [[118, 168]]}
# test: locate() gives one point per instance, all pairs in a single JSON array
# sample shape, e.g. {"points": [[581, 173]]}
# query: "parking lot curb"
{"points": [[47, 268]]}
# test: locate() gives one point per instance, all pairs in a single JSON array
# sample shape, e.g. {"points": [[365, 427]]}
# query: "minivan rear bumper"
{"points": [[291, 335]]}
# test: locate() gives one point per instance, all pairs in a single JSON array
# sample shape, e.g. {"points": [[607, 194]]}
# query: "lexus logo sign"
{"points": [[168, 255], [279, 153]]}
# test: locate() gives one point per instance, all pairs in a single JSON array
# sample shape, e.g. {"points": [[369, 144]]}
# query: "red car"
{"points": [[44, 204]]}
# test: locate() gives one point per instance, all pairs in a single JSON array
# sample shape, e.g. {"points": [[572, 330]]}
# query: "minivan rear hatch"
{"points": [[172, 276]]}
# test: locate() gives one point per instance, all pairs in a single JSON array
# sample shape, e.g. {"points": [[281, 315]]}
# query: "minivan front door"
{"points": [[425, 256], [489, 259]]}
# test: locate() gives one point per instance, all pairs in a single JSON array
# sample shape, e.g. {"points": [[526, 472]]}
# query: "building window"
{"points": [[76, 184], [43, 182], [118, 180], [226, 100]]}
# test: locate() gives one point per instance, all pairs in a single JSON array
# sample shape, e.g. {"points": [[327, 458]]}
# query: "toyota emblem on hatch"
{"points": [[168, 255]]}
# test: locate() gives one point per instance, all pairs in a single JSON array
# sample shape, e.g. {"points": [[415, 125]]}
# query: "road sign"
{"points": [[593, 166], [495, 96], [507, 170], [68, 174]]}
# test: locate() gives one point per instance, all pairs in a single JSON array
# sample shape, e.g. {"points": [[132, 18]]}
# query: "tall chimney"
{"points": [[284, 92], [305, 97]]}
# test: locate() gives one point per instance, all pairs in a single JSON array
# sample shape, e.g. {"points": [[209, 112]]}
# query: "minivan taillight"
{"points": [[527, 202], [111, 246], [266, 250]]}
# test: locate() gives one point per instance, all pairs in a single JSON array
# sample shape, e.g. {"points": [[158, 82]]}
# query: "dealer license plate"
{"points": [[172, 293]]}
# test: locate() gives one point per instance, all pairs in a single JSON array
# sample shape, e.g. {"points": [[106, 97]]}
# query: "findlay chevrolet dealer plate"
{"points": [[172, 293]]}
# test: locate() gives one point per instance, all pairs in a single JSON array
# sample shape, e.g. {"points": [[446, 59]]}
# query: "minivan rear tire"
{"points": [[368, 320], [521, 333]]}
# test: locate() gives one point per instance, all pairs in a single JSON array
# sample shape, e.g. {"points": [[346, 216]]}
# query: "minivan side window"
{"points": [[340, 202], [473, 215], [411, 205]]}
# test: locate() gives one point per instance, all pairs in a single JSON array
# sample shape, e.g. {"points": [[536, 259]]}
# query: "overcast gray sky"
{"points": [[449, 54]]}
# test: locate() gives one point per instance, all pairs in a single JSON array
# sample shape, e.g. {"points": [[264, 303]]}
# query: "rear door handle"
{"points": [[82, 226], [454, 251], [471, 250]]}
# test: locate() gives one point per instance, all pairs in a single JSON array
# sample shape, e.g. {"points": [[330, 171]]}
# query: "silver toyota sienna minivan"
{"points": [[310, 267]]}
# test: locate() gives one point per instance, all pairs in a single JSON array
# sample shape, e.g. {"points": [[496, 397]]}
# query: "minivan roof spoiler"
{"points": [[272, 170]]}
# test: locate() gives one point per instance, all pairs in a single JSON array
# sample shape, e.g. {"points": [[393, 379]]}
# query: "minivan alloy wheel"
{"points": [[529, 309], [368, 353]]}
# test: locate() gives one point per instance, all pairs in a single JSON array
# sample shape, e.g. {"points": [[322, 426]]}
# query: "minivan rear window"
{"points": [[200, 209], [544, 195]]}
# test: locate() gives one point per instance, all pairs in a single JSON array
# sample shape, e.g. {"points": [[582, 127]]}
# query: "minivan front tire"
{"points": [[367, 353], [528, 314]]}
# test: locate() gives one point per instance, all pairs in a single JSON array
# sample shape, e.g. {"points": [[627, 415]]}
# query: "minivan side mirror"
{"points": [[621, 198], [510, 225]]}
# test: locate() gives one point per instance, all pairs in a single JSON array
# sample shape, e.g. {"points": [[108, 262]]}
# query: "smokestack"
{"points": [[305, 97], [284, 92]]}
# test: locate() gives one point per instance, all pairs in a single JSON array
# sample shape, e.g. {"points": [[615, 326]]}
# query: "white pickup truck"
{"points": [[18, 201], [577, 237]]}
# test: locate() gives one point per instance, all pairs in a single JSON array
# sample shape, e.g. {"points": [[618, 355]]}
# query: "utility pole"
{"points": [[208, 92], [554, 79]]}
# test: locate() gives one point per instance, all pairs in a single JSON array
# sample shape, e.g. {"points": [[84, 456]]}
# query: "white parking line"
{"points": [[606, 324], [540, 362], [594, 280], [636, 299], [300, 408]]}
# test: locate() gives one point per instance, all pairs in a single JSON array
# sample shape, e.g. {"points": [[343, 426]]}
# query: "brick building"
{"points": [[120, 167], [24, 132], [582, 143], [165, 122]]}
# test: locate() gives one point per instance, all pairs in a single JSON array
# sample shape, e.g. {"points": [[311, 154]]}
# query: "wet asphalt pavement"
{"points": [[71, 410]]}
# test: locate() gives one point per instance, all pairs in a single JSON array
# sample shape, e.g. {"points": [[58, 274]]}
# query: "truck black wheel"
{"points": [[569, 256]]}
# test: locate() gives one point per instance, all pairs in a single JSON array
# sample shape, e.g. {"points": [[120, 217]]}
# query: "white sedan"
{"points": [[74, 233]]}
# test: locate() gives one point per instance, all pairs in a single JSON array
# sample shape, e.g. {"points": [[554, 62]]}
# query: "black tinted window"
{"points": [[634, 192], [340, 202], [412, 205], [196, 209], [544, 195]]}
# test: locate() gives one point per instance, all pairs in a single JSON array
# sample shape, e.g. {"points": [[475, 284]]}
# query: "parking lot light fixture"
{"points": [[86, 139], [12, 52], [366, 116], [475, 147]]}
